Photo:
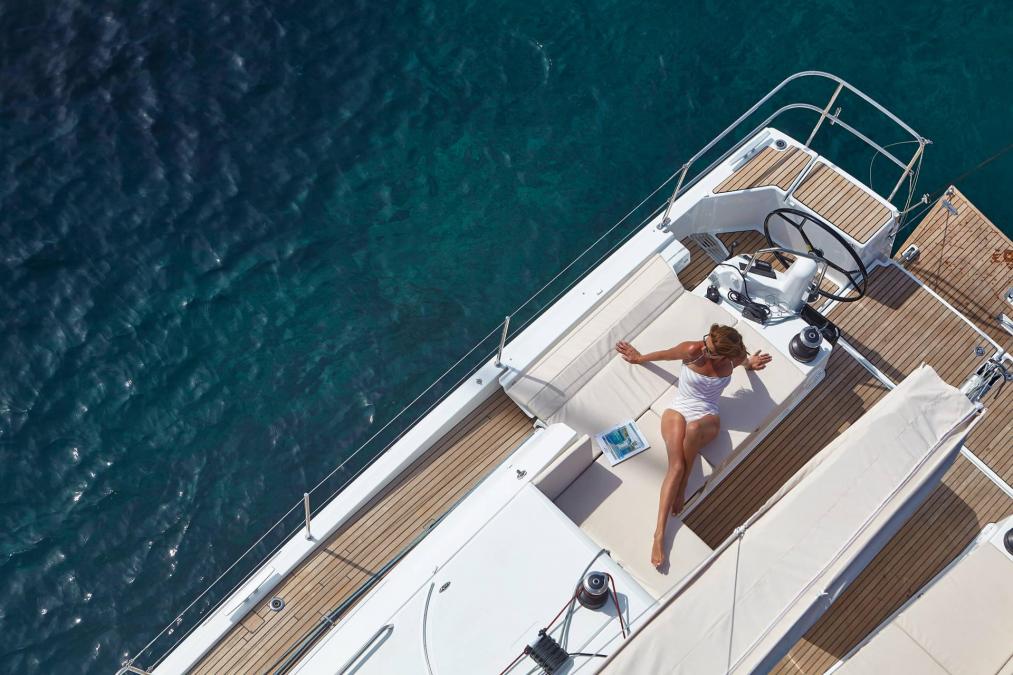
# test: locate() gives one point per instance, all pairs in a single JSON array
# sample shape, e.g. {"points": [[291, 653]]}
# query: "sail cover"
{"points": [[760, 591]]}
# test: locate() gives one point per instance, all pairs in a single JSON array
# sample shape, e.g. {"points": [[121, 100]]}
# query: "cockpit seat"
{"points": [[582, 382]]}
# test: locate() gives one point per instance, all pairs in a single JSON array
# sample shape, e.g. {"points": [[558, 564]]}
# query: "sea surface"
{"points": [[237, 237]]}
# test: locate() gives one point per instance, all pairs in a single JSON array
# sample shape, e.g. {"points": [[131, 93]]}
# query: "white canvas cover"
{"points": [[744, 608]]}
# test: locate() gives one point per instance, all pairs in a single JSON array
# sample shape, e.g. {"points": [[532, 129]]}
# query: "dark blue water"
{"points": [[236, 237]]}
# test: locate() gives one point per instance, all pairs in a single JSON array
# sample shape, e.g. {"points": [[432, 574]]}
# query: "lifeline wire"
{"points": [[931, 201]]}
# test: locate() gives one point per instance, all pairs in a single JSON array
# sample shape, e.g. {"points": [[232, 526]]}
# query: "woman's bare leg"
{"points": [[698, 434], [673, 430]]}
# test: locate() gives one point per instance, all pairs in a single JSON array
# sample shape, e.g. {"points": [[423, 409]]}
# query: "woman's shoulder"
{"points": [[693, 350]]}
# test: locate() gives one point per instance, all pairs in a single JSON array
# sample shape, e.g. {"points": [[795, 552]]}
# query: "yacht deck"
{"points": [[823, 189], [965, 260], [896, 326], [968, 498], [358, 550], [840, 201], [769, 167]]}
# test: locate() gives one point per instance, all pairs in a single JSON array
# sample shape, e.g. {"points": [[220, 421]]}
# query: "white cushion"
{"points": [[688, 318], [965, 619], [621, 391], [892, 651], [617, 506], [750, 402], [584, 350], [565, 468]]}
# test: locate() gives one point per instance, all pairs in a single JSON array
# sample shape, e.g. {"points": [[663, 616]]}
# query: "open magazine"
{"points": [[622, 442]]}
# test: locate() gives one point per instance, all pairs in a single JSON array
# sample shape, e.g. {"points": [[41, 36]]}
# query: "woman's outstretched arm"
{"points": [[686, 351]]}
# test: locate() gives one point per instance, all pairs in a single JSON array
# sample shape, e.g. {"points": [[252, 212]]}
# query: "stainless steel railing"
{"points": [[212, 597], [825, 114]]}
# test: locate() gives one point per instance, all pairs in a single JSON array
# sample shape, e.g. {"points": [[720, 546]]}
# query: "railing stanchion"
{"points": [[823, 115], [306, 507], [666, 220], [502, 341], [907, 170]]}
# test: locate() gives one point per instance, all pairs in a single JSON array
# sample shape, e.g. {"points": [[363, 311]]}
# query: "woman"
{"points": [[692, 421]]}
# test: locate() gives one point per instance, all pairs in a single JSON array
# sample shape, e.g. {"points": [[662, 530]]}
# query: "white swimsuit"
{"points": [[698, 395]]}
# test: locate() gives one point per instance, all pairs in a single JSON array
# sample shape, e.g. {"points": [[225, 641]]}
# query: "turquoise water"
{"points": [[237, 237]]}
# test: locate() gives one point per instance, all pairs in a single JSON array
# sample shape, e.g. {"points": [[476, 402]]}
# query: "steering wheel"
{"points": [[858, 277]]}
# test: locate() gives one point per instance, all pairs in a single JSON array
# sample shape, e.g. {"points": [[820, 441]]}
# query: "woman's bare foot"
{"points": [[658, 550]]}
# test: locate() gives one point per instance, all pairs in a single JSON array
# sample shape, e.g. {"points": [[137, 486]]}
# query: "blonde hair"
{"points": [[727, 342]]}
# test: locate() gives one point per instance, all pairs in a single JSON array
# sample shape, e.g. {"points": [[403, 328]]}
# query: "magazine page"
{"points": [[621, 442]]}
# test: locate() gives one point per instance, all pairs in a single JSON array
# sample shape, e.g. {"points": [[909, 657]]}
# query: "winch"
{"points": [[805, 346], [593, 591]]}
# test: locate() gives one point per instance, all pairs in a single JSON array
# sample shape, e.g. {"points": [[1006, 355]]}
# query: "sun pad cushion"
{"points": [[750, 402], [621, 391], [618, 507]]}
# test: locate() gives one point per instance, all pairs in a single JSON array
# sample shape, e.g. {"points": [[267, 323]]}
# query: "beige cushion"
{"points": [[617, 506], [689, 318], [584, 350], [621, 391], [565, 468], [760, 595], [750, 402], [965, 619], [892, 651]]}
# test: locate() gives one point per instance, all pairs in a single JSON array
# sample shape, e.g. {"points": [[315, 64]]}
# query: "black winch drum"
{"points": [[594, 590], [805, 346]]}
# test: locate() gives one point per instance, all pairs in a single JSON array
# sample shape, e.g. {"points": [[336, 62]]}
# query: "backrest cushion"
{"points": [[565, 468], [545, 386]]}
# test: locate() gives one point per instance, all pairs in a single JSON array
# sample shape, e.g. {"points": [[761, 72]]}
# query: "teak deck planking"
{"points": [[898, 326], [372, 537], [837, 402], [936, 533], [964, 259], [842, 202], [824, 189], [769, 167]]}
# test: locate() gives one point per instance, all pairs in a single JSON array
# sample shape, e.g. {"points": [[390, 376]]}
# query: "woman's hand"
{"points": [[758, 361], [629, 352]]}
